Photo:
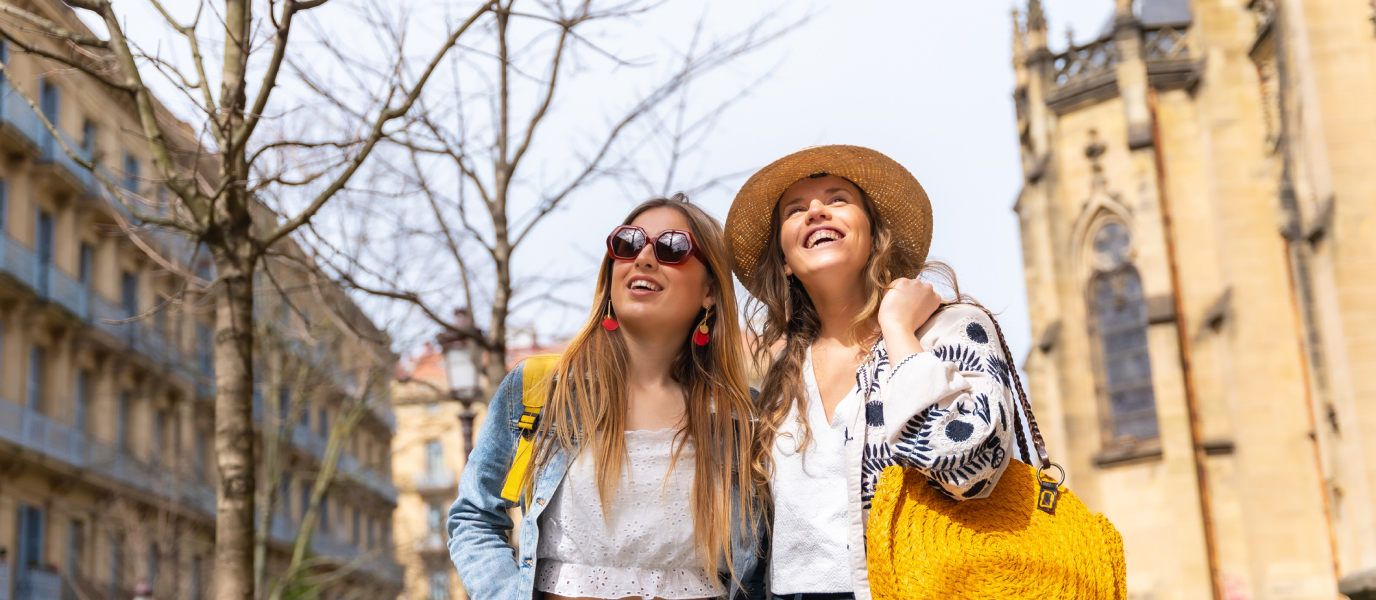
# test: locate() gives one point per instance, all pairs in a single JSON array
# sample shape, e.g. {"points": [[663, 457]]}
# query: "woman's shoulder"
{"points": [[962, 329], [962, 320]]}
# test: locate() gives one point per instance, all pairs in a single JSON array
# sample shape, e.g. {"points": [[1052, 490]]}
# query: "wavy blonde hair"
{"points": [[781, 312], [586, 410]]}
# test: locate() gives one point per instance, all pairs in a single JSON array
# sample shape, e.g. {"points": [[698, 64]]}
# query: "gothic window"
{"points": [[1120, 318]]}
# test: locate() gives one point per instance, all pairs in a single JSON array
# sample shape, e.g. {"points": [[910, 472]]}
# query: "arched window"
{"points": [[1120, 314]]}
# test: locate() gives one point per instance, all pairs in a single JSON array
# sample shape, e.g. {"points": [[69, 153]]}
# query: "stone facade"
{"points": [[1200, 246], [107, 454]]}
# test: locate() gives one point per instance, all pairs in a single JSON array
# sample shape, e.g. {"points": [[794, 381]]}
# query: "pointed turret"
{"points": [[1036, 25], [1019, 50]]}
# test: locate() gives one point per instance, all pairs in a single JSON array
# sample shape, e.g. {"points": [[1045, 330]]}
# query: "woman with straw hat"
{"points": [[868, 366]]}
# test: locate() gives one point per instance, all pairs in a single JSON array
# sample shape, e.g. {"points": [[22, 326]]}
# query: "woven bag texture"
{"points": [[924, 545]]}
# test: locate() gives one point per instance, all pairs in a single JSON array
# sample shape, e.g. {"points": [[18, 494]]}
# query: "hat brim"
{"points": [[902, 203]]}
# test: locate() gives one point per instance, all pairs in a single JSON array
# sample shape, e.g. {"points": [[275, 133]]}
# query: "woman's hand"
{"points": [[906, 306]]}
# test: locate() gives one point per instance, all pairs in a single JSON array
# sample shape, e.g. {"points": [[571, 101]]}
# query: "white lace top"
{"points": [[644, 547]]}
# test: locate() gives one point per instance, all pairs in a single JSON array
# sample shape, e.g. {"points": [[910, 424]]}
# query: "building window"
{"points": [[1120, 320], [116, 567], [36, 368], [305, 495], [434, 458], [43, 240], [87, 261], [81, 398], [357, 527], [434, 518], [198, 447], [324, 423], [131, 173], [129, 294], [122, 422], [88, 137], [283, 404], [30, 537], [152, 575], [159, 419], [196, 577], [204, 350], [439, 585], [324, 514], [4, 204], [76, 547], [50, 100]]}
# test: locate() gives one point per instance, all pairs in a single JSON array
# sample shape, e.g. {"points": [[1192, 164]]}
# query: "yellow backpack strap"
{"points": [[533, 399]]}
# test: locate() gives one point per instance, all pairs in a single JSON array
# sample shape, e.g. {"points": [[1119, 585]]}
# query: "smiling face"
{"points": [[823, 230], [649, 296]]}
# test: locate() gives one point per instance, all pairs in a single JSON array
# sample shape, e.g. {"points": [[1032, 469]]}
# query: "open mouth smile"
{"points": [[644, 284], [822, 237]]}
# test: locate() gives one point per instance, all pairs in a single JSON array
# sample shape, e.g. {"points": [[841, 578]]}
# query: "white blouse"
{"points": [[809, 552], [643, 548]]}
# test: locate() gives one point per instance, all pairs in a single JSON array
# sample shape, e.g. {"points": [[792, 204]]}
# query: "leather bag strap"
{"points": [[1022, 400]]}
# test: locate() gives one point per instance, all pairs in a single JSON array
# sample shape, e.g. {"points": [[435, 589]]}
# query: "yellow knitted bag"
{"points": [[1030, 538]]}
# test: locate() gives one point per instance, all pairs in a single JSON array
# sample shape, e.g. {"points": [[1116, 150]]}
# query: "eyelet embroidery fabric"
{"points": [[644, 547]]}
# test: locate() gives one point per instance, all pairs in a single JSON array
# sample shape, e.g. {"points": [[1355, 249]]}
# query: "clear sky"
{"points": [[926, 82]]}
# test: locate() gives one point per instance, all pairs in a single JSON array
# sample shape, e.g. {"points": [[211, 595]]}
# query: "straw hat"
{"points": [[902, 202]]}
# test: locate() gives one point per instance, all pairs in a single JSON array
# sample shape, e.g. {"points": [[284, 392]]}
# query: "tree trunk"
{"points": [[234, 525]]}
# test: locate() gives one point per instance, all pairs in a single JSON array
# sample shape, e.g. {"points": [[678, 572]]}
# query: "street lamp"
{"points": [[461, 371]]}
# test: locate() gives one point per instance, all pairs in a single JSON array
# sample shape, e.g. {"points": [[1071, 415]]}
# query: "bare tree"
{"points": [[477, 175], [218, 173]]}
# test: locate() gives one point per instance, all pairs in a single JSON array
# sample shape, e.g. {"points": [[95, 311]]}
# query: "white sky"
{"points": [[927, 82]]}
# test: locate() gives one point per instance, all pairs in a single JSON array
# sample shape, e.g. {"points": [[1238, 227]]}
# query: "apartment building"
{"points": [[107, 466]]}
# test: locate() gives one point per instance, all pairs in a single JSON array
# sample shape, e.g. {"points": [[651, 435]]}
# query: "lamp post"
{"points": [[461, 371]]}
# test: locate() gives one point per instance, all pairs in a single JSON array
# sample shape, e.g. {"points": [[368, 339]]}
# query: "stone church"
{"points": [[1199, 237]]}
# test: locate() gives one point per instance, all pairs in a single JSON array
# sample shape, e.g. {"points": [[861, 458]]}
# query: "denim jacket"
{"points": [[491, 569]]}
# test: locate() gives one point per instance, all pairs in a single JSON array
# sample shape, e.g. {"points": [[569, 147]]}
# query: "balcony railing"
{"points": [[20, 263], [51, 152], [37, 584], [1097, 61], [434, 482], [42, 434], [348, 466], [434, 541], [283, 531], [17, 115]]}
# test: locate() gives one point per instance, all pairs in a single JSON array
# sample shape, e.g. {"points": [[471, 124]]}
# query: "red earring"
{"points": [[701, 336], [609, 323]]}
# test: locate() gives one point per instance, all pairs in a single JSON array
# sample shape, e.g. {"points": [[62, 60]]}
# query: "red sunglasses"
{"points": [[672, 246]]}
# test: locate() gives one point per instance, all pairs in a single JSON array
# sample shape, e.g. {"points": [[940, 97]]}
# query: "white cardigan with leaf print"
{"points": [[947, 411]]}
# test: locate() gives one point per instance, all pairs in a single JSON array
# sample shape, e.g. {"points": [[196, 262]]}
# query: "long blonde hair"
{"points": [[782, 311], [586, 410]]}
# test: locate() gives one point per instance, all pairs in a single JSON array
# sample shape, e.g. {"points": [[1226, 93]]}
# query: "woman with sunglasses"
{"points": [[644, 481], [868, 367]]}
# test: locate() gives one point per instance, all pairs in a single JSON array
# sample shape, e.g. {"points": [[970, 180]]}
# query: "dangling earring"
{"points": [[701, 336], [609, 323]]}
